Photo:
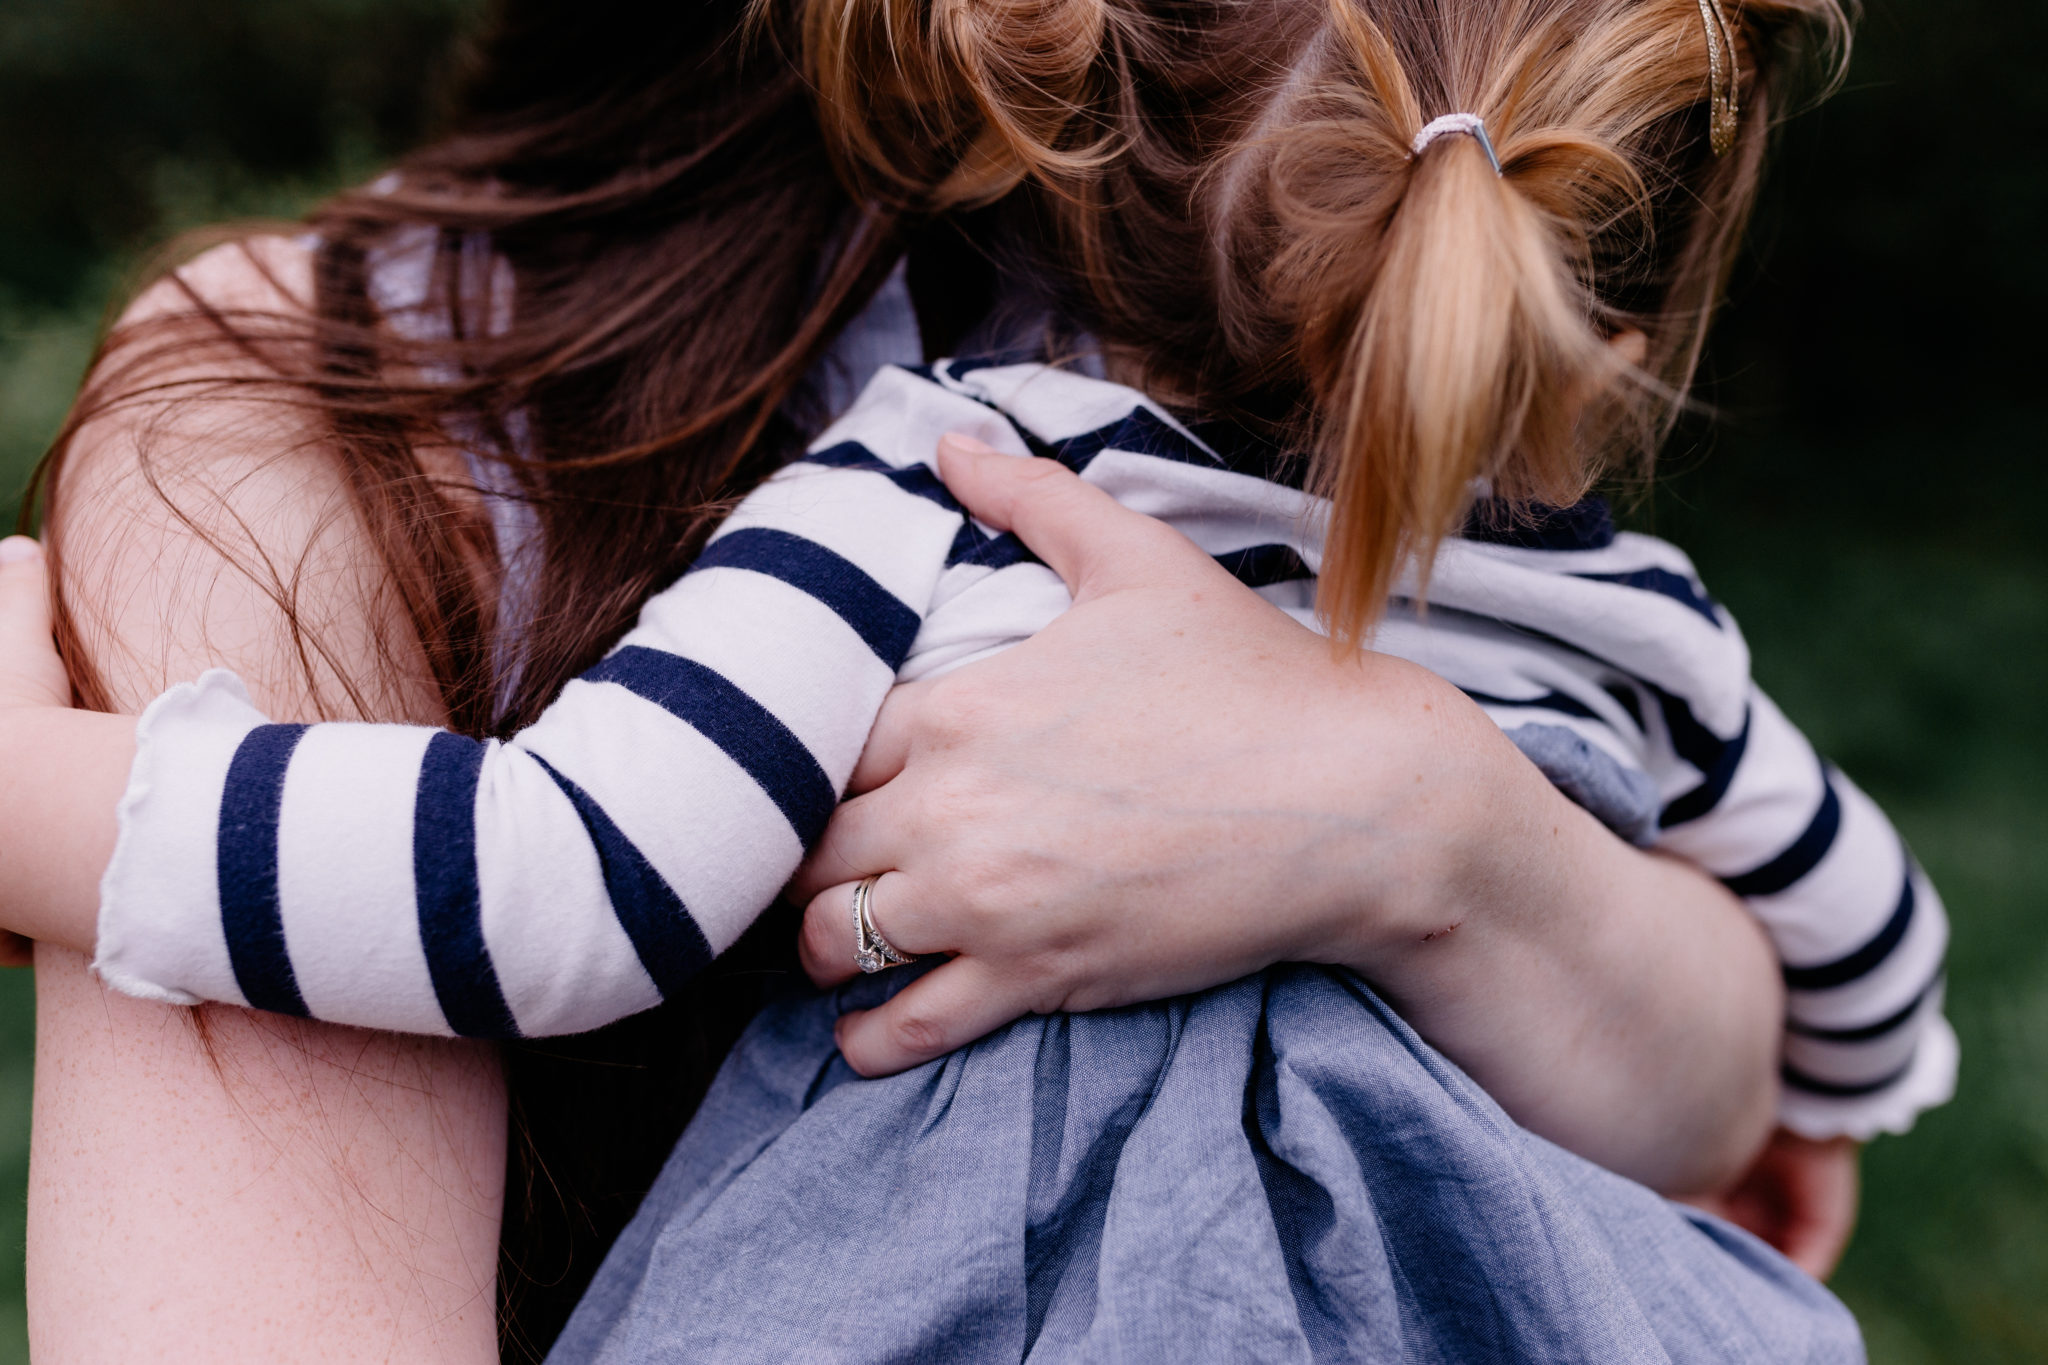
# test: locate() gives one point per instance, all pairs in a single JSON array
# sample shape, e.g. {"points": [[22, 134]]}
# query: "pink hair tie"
{"points": [[1455, 123]]}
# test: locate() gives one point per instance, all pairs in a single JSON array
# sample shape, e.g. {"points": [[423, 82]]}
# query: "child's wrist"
{"points": [[62, 773]]}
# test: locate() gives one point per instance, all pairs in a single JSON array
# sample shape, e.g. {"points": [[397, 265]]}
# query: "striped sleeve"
{"points": [[1607, 647], [1859, 929], [407, 878]]}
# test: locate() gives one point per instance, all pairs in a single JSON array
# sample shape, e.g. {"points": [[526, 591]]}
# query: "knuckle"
{"points": [[1041, 476], [956, 709], [918, 1033], [815, 940], [952, 796]]}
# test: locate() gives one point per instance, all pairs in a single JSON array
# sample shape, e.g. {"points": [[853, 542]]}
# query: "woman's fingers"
{"points": [[1086, 537], [31, 674], [864, 836], [946, 1008], [825, 944], [888, 746]]}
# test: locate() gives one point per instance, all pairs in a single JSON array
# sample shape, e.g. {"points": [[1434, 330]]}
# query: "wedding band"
{"points": [[872, 952]]}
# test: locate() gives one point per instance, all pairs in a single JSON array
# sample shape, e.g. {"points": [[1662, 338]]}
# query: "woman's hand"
{"points": [[1011, 804], [1175, 784], [31, 673], [1800, 1196]]}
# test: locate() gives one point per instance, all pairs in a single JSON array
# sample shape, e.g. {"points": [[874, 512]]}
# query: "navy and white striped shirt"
{"points": [[406, 878]]}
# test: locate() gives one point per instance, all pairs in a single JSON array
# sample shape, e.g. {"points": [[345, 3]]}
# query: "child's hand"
{"points": [[1800, 1196], [31, 673]]}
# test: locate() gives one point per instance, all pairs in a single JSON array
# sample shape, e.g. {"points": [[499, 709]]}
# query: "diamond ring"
{"points": [[872, 952]]}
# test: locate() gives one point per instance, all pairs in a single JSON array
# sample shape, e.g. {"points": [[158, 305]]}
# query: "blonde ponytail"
{"points": [[1447, 307], [1223, 197], [1462, 354]]}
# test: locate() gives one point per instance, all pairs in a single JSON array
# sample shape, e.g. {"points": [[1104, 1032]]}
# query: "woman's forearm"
{"points": [[1175, 784], [1623, 1004]]}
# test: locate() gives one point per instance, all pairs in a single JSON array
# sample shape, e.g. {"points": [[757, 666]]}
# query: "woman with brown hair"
{"points": [[627, 387]]}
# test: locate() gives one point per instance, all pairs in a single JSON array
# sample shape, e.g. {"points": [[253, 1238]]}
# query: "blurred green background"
{"points": [[1865, 496]]}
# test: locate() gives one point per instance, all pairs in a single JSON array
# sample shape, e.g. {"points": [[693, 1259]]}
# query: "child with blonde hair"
{"points": [[1360, 297]]}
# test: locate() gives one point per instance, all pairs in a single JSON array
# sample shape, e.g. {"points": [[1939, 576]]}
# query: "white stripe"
{"points": [[782, 647], [1849, 895], [1218, 510], [1628, 552], [898, 539], [563, 961], [1657, 639], [990, 611], [160, 935], [1056, 405], [1865, 1060], [1772, 798], [351, 922], [1886, 988], [1931, 1082], [900, 418], [705, 825]]}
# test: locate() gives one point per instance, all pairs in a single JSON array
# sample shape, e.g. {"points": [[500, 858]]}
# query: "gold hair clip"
{"points": [[1721, 82]]}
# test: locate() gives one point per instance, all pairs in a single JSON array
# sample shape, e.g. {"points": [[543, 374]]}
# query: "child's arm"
{"points": [[63, 773], [404, 877], [1859, 928], [1732, 787]]}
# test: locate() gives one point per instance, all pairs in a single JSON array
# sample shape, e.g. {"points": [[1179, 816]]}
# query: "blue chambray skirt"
{"points": [[1273, 1170]]}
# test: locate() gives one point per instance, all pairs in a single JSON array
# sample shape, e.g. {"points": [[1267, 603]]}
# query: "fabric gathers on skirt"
{"points": [[1274, 1170]]}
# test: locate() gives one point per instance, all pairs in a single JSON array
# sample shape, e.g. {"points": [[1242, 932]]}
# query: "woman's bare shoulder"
{"points": [[201, 514], [268, 273]]}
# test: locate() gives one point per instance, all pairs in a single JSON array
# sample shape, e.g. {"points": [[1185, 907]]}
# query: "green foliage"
{"points": [[1867, 510], [1917, 665], [123, 122]]}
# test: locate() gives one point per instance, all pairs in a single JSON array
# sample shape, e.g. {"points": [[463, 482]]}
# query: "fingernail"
{"points": [[964, 444], [19, 550]]}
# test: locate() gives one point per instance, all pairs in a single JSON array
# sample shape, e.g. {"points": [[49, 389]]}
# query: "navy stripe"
{"points": [[1214, 445], [1803, 854], [1585, 525], [877, 615], [1627, 698], [1549, 701], [1843, 970], [1717, 758], [915, 478], [845, 455], [747, 731], [968, 542], [1664, 583], [1141, 432], [1261, 566], [972, 546], [664, 933], [1256, 566], [1863, 1033], [1800, 1080], [245, 867], [961, 366], [445, 890]]}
